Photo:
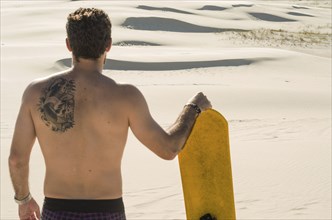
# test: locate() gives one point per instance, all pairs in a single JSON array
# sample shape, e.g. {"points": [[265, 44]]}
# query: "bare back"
{"points": [[81, 122]]}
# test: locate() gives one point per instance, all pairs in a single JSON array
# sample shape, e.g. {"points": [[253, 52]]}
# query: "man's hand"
{"points": [[29, 211], [201, 101]]}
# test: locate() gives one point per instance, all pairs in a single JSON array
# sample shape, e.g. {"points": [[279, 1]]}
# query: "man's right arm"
{"points": [[166, 144], [22, 143]]}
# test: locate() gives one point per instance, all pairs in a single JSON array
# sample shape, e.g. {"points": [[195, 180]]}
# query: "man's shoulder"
{"points": [[34, 89], [129, 90]]}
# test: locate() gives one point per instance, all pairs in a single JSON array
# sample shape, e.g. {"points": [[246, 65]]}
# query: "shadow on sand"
{"points": [[169, 24], [112, 64], [270, 17], [164, 9]]}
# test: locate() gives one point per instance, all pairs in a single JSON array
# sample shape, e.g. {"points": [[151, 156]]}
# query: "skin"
{"points": [[84, 160]]}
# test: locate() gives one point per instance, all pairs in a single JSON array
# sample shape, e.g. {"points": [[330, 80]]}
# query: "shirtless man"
{"points": [[81, 120]]}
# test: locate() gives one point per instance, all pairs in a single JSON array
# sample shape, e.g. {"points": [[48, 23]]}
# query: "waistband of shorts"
{"points": [[84, 205]]}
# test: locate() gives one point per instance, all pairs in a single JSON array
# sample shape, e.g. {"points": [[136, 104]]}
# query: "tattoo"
{"points": [[57, 103]]}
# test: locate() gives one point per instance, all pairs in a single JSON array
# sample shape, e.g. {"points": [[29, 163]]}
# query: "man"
{"points": [[81, 119]]}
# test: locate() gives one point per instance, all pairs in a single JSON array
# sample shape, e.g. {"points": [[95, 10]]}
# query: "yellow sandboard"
{"points": [[206, 173]]}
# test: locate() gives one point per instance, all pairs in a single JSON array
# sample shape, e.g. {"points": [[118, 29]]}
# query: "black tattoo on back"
{"points": [[57, 103]]}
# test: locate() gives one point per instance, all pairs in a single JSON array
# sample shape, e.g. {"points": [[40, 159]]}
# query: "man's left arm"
{"points": [[22, 143]]}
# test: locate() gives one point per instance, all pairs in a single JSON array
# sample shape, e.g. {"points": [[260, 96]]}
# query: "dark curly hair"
{"points": [[89, 32]]}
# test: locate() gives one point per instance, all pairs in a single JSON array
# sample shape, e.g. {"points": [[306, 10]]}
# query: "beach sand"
{"points": [[265, 65]]}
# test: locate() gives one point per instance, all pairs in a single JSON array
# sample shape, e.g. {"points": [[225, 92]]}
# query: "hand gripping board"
{"points": [[205, 167]]}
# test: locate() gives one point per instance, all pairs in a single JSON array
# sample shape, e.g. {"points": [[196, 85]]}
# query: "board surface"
{"points": [[205, 167]]}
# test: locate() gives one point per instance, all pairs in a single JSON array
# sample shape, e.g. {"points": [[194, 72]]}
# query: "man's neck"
{"points": [[88, 66]]}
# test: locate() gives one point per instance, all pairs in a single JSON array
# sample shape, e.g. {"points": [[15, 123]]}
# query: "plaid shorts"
{"points": [[67, 209], [64, 215]]}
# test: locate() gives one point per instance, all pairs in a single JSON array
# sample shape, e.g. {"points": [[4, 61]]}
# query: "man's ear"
{"points": [[109, 45], [68, 45]]}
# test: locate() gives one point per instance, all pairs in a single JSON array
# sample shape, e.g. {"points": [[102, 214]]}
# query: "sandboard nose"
{"points": [[207, 216]]}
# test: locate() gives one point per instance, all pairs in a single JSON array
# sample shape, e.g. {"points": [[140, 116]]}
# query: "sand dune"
{"points": [[270, 17], [112, 64], [242, 5], [164, 9], [299, 14], [299, 7], [134, 43], [265, 65], [212, 8], [168, 24]]}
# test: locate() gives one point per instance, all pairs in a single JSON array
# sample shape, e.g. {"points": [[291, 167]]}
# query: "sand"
{"points": [[265, 65]]}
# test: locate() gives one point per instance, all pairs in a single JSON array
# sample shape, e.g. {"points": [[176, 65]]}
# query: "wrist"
{"points": [[194, 107], [23, 200]]}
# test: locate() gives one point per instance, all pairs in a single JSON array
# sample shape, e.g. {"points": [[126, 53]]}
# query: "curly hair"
{"points": [[89, 32]]}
